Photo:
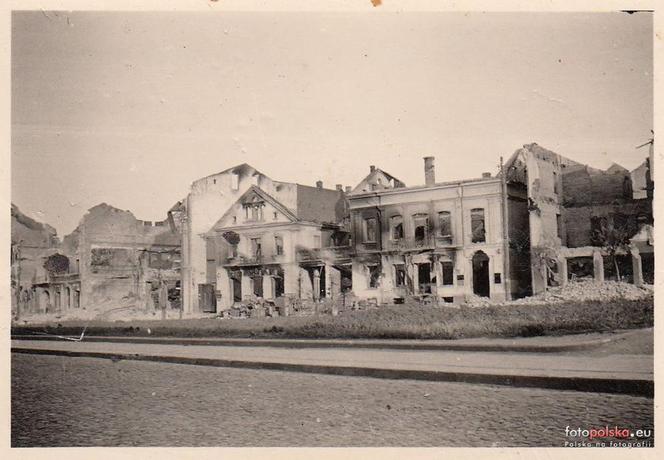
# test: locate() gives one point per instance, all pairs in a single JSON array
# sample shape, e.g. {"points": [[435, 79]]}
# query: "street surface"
{"points": [[65, 401], [613, 366]]}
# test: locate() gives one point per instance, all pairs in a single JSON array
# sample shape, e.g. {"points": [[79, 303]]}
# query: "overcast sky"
{"points": [[130, 108]]}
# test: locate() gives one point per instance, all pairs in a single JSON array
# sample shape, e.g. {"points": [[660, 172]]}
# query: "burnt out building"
{"points": [[116, 263], [443, 241], [248, 237], [568, 220]]}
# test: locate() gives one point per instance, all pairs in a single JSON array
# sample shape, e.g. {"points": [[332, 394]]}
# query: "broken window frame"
{"points": [[447, 272], [256, 247], [445, 226], [399, 275], [374, 276], [477, 225], [396, 228], [369, 229], [417, 224], [556, 185]]}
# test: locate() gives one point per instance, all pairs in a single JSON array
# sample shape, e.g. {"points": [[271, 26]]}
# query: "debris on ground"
{"points": [[582, 290]]}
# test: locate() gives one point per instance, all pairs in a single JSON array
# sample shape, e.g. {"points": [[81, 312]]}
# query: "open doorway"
{"points": [[481, 274], [424, 278]]}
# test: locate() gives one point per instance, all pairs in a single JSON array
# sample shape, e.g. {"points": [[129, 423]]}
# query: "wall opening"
{"points": [[481, 274], [424, 278]]}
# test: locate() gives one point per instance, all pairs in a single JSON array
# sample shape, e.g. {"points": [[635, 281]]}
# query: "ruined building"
{"points": [[31, 243], [111, 261], [247, 236], [566, 220], [441, 240], [242, 237]]}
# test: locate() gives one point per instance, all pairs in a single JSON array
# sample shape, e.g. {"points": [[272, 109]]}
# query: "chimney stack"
{"points": [[319, 184], [429, 171], [340, 187], [486, 175], [348, 188], [372, 168]]}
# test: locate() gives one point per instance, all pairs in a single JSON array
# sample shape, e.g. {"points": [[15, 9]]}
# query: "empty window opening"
{"points": [[421, 225], [399, 275], [448, 273], [445, 226], [477, 225], [370, 230], [396, 226]]}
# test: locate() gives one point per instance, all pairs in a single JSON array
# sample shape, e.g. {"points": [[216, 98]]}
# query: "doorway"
{"points": [[424, 278], [481, 274]]}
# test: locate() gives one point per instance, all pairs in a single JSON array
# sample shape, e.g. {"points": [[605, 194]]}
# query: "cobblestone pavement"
{"points": [[64, 401]]}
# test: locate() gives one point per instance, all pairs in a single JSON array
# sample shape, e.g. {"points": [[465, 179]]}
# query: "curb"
{"points": [[323, 343], [636, 387]]}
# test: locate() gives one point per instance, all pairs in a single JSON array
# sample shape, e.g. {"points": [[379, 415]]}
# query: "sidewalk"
{"points": [[541, 344], [631, 374]]}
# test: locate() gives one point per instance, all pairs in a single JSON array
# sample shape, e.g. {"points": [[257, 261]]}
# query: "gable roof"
{"points": [[254, 190]]}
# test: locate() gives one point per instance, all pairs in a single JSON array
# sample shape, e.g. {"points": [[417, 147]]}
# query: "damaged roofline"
{"points": [[419, 188]]}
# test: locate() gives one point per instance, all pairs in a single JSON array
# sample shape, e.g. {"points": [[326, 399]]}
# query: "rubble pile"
{"points": [[592, 290], [578, 291]]}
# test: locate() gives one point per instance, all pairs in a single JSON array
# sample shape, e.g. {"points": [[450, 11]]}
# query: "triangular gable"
{"points": [[378, 180], [254, 195]]}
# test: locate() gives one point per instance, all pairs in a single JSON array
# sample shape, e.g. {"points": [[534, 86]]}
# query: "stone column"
{"points": [[268, 287], [562, 270], [316, 287], [291, 284], [438, 273], [598, 265], [637, 267], [246, 285]]}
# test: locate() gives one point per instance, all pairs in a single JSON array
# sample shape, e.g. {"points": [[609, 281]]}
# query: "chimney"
{"points": [[372, 168], [348, 188], [319, 184], [429, 171], [340, 187], [486, 175]]}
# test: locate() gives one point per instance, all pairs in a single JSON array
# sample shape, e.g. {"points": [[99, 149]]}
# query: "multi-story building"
{"points": [[248, 236], [445, 240]]}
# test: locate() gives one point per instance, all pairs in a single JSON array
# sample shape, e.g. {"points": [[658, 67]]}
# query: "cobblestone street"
{"points": [[64, 401]]}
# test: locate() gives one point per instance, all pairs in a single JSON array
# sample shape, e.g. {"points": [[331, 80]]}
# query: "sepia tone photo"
{"points": [[375, 228]]}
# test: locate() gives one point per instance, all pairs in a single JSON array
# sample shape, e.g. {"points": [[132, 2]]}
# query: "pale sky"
{"points": [[130, 108]]}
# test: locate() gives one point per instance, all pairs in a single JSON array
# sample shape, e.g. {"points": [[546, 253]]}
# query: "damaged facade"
{"points": [[240, 237], [249, 237], [111, 261], [443, 241], [580, 221]]}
